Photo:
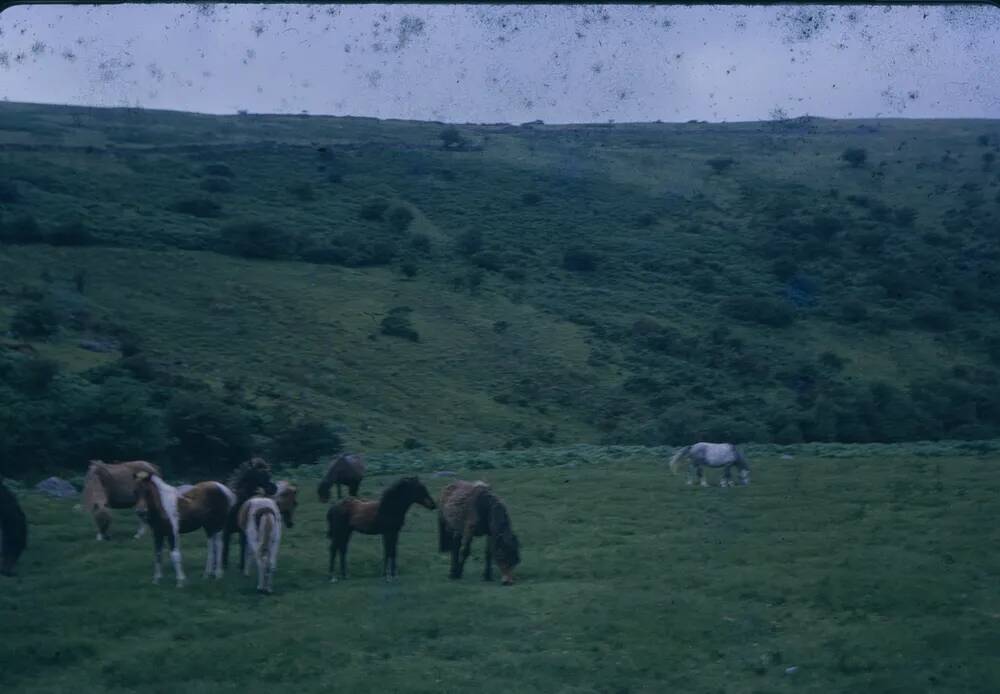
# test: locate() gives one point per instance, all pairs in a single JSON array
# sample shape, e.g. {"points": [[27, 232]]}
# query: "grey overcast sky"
{"points": [[509, 63]]}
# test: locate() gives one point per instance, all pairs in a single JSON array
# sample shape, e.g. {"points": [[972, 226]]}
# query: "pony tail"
{"points": [[677, 456], [266, 530]]}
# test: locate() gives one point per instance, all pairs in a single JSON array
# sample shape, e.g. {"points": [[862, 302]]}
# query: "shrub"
{"points": [[398, 325], [216, 184], [720, 164], [257, 240], [400, 218], [855, 156], [207, 434], [488, 260], [421, 243], [933, 318], [197, 207], [374, 209], [71, 234], [409, 268], [580, 260], [218, 170], [784, 269], [645, 220], [765, 311], [469, 242], [515, 274], [905, 217], [531, 199], [302, 191], [22, 229], [305, 442], [826, 227], [411, 444], [9, 192], [35, 321], [451, 137], [853, 312]]}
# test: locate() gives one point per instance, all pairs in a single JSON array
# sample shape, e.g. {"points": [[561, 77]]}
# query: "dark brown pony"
{"points": [[347, 468], [13, 531], [384, 517], [471, 509], [246, 479]]}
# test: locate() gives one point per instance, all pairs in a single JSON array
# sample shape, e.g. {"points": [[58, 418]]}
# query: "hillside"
{"points": [[510, 286]]}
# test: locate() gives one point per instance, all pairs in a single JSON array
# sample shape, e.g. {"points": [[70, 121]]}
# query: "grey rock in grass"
{"points": [[56, 487]]}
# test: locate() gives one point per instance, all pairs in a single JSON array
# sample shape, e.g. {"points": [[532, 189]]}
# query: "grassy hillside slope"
{"points": [[623, 283]]}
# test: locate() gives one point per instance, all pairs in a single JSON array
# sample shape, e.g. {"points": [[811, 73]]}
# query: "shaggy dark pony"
{"points": [[471, 509], [246, 479], [13, 531], [347, 468], [384, 517]]}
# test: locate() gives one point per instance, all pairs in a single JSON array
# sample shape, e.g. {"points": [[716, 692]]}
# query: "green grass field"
{"points": [[866, 574]]}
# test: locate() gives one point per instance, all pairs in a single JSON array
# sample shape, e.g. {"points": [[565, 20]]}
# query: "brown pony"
{"points": [[346, 468], [206, 505], [246, 479], [470, 509], [13, 531], [384, 517], [111, 486]]}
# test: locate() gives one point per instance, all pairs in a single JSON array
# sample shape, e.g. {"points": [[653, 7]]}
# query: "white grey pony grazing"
{"points": [[724, 455]]}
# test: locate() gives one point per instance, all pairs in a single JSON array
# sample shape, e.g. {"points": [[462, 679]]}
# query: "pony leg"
{"points": [[343, 558], [339, 493], [727, 477], [209, 557], [389, 543], [218, 556], [243, 548], [488, 568], [700, 472], [157, 558], [456, 566], [333, 561], [175, 558], [140, 531]]}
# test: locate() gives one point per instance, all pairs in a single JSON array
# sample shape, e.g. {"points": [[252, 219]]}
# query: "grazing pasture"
{"points": [[825, 575]]}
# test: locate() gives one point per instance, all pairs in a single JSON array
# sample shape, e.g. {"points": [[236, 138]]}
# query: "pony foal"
{"points": [[206, 505], [260, 522], [384, 517]]}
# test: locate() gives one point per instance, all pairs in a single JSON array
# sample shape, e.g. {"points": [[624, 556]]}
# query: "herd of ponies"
{"points": [[258, 508]]}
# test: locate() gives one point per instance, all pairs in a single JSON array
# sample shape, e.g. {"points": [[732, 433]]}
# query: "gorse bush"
{"points": [[855, 156], [197, 207], [254, 239], [766, 311], [580, 260], [305, 442], [35, 321], [71, 234], [400, 218], [218, 170], [23, 228], [9, 192], [216, 184], [374, 209]]}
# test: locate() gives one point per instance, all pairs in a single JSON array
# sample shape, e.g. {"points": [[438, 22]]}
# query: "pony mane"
{"points": [[239, 475]]}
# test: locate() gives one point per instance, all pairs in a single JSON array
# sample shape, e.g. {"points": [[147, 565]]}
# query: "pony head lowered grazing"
{"points": [[246, 479], [346, 468], [470, 509], [13, 531], [715, 455], [384, 517], [205, 505], [260, 523], [110, 486]]}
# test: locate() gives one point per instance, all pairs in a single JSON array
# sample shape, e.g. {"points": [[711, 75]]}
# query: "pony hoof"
{"points": [[333, 579]]}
